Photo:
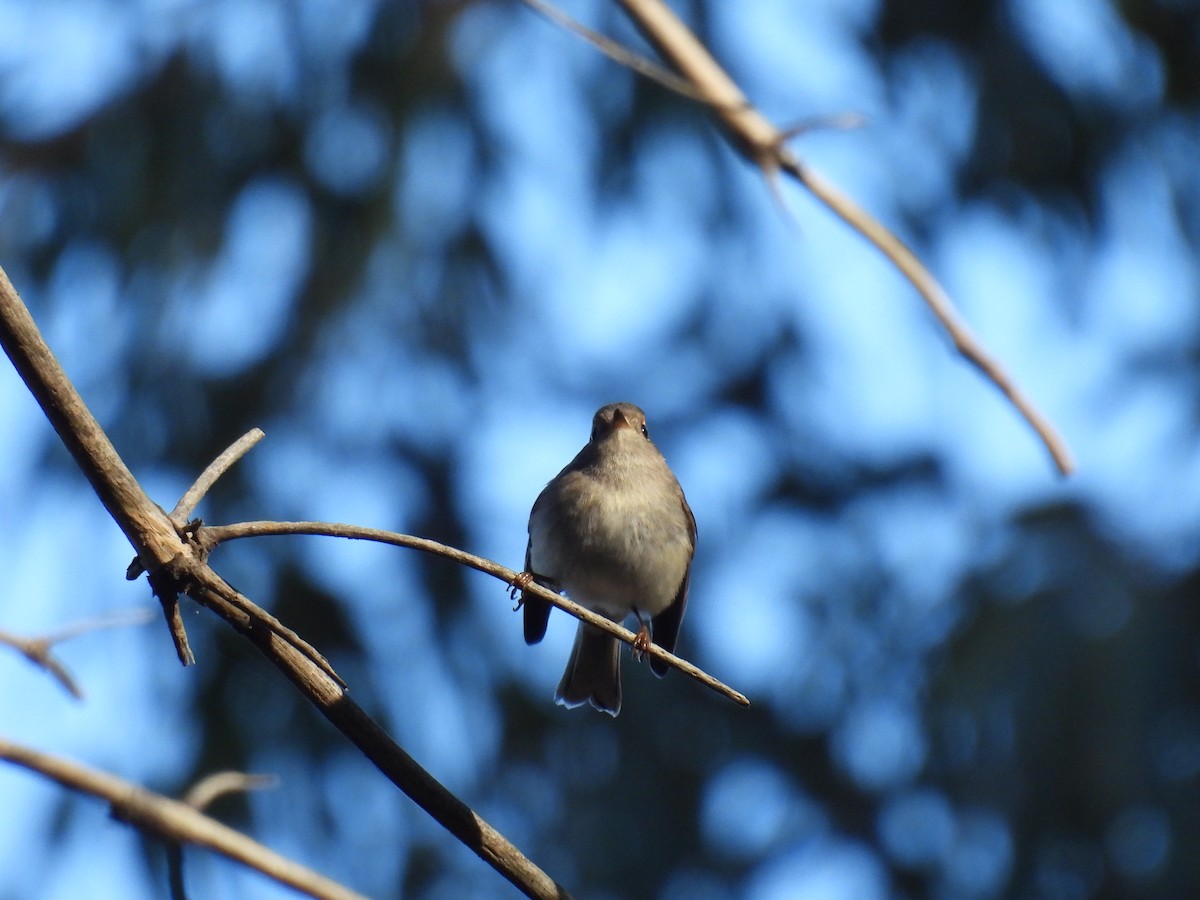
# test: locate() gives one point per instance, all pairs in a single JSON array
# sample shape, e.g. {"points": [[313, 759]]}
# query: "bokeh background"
{"points": [[419, 243]]}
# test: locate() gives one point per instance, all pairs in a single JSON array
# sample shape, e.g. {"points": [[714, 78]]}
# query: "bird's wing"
{"points": [[667, 622], [537, 611]]}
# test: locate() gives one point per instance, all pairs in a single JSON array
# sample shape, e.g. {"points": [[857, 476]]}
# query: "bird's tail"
{"points": [[593, 673]]}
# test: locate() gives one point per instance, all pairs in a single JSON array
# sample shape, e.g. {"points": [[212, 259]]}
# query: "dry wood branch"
{"points": [[199, 796], [210, 536], [37, 649], [764, 145], [174, 821], [219, 784], [168, 597], [616, 52], [169, 554], [218, 467]]}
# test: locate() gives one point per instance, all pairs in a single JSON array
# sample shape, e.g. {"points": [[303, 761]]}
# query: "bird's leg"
{"points": [[518, 585], [641, 643]]}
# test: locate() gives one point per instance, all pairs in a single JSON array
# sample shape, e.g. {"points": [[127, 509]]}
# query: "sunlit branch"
{"points": [[211, 535], [214, 471], [175, 564], [764, 145], [178, 516], [198, 797], [174, 821], [617, 52]]}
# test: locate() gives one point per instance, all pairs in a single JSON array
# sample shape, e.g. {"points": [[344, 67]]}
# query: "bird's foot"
{"points": [[641, 643], [517, 586]]}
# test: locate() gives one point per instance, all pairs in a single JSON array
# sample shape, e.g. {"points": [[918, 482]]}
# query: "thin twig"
{"points": [[764, 145], [167, 596], [164, 589], [174, 820], [620, 54], [175, 627], [198, 797], [211, 535], [122, 618], [37, 649], [218, 784], [217, 468], [965, 343]]}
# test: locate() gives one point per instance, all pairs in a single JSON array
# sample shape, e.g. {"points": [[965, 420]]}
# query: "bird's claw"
{"points": [[641, 643], [518, 586]]}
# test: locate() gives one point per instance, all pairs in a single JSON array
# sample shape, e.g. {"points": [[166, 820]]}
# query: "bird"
{"points": [[614, 532]]}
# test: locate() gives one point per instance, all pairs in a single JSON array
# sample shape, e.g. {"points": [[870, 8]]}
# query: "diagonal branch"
{"points": [[212, 535], [218, 467], [174, 821], [618, 53], [764, 145], [173, 560]]}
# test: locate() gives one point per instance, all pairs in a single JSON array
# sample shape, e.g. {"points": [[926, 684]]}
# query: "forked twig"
{"points": [[618, 53], [37, 649]]}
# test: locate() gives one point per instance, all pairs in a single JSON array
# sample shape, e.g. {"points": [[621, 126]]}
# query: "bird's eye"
{"points": [[595, 428], [645, 431]]}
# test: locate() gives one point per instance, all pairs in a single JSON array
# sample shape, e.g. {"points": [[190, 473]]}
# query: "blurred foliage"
{"points": [[1042, 708]]}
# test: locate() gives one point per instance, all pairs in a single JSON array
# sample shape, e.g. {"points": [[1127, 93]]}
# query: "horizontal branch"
{"points": [[174, 821], [209, 536]]}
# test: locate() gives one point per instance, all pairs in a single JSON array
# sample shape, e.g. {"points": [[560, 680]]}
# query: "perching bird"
{"points": [[614, 531]]}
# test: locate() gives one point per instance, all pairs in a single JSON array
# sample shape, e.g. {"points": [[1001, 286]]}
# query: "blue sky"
{"points": [[1096, 327]]}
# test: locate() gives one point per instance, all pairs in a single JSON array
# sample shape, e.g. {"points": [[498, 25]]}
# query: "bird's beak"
{"points": [[619, 421]]}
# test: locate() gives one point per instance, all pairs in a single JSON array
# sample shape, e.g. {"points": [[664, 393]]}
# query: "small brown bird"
{"points": [[615, 533]]}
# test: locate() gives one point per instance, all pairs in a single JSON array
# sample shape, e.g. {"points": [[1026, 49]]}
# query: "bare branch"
{"points": [[37, 649], [143, 522], [174, 821], [218, 784], [616, 52], [210, 536], [199, 796], [174, 559], [215, 470], [191, 497], [965, 343], [762, 144], [117, 619]]}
